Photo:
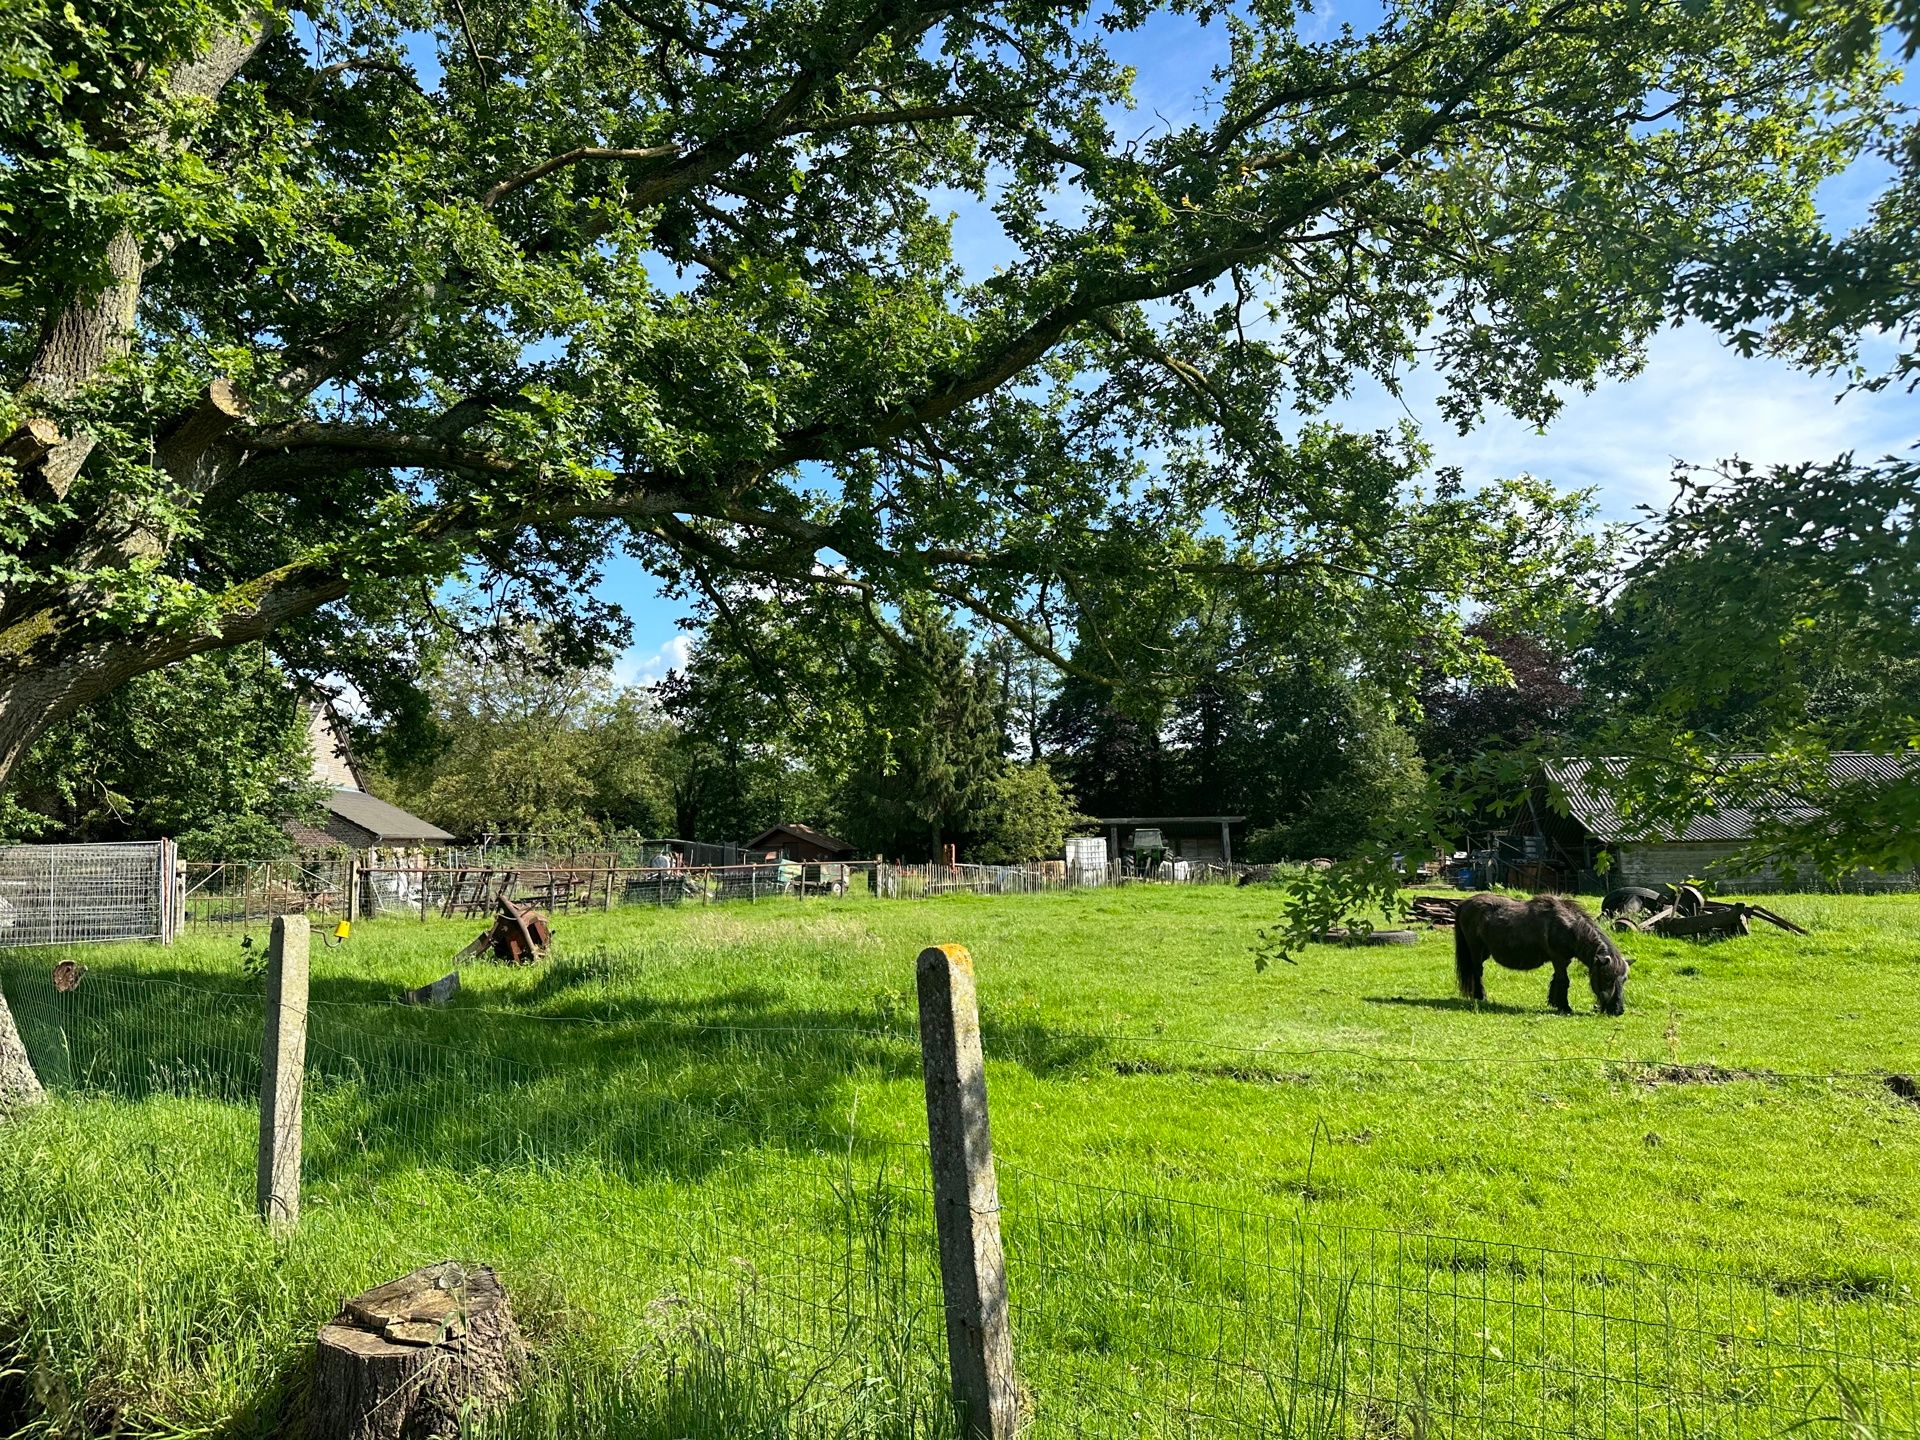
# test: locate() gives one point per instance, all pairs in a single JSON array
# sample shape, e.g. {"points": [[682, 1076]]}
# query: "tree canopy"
{"points": [[307, 312], [213, 753], [519, 746]]}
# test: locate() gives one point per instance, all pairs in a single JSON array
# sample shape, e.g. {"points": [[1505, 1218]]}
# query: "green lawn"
{"points": [[1326, 1200]]}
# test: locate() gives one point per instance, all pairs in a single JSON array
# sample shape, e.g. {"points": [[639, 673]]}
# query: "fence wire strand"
{"points": [[758, 1206]]}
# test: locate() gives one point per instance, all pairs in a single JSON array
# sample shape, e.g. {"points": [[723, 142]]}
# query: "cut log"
{"points": [[219, 408], [31, 442], [416, 1357]]}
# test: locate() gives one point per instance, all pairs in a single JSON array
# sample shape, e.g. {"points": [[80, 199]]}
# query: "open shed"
{"points": [[1568, 845], [1187, 837]]}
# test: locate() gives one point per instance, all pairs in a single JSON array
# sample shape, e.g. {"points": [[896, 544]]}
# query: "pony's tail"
{"points": [[1467, 964]]}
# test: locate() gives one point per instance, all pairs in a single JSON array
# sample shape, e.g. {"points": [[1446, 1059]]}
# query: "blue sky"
{"points": [[1696, 401]]}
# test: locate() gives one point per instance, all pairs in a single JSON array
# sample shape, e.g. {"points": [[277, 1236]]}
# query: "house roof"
{"points": [[314, 837], [379, 822], [1584, 785], [799, 832]]}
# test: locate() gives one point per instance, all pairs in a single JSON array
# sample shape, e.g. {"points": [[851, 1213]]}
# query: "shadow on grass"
{"points": [[668, 1087], [1454, 1002]]}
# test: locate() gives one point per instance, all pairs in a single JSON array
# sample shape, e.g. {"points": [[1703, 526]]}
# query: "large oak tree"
{"points": [[304, 312]]}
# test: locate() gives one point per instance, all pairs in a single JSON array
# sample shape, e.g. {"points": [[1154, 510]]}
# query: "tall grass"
{"points": [[692, 1147]]}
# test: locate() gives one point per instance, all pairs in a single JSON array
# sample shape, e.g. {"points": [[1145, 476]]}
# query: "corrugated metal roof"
{"points": [[385, 823], [1588, 799]]}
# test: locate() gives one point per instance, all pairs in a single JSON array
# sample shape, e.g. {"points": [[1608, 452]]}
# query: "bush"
{"points": [[1026, 816]]}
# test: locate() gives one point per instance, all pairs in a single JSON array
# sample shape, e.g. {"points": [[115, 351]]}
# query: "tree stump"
{"points": [[412, 1358]]}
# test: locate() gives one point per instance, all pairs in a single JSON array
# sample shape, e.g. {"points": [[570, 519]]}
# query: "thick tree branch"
{"points": [[184, 446], [504, 188], [878, 119]]}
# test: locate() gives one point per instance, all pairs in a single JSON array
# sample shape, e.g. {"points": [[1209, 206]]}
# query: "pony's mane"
{"points": [[1601, 949]]}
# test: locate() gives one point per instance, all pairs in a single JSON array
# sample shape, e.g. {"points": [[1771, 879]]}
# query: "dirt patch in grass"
{"points": [[1903, 1087], [1698, 1073]]}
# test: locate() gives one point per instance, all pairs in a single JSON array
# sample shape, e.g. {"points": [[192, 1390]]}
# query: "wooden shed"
{"points": [[798, 842]]}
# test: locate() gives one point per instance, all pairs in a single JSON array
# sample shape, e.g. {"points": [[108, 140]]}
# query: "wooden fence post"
{"points": [[966, 1197], [283, 1066], [353, 887]]}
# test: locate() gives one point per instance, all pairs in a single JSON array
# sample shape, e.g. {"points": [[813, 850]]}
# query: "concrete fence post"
{"points": [[966, 1196], [283, 1066]]}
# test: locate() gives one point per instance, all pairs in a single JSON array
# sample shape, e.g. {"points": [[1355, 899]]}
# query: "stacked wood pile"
{"points": [[1437, 910]]}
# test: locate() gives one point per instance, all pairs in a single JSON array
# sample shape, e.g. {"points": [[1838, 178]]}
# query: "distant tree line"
{"points": [[908, 734]]}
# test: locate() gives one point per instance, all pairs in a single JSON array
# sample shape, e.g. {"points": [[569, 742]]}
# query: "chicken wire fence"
{"points": [[753, 1204]]}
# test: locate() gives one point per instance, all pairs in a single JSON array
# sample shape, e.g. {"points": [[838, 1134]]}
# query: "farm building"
{"points": [[799, 842], [358, 821], [1185, 837], [355, 820], [1570, 823]]}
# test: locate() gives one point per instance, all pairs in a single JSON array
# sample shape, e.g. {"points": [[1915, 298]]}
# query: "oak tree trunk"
{"points": [[18, 1084]]}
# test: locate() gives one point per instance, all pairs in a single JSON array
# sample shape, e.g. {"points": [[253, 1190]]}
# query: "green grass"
{"points": [[691, 1145]]}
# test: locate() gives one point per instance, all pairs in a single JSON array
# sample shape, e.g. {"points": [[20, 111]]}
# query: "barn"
{"points": [[355, 820], [1572, 822]]}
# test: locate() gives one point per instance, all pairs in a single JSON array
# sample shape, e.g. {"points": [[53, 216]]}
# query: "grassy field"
{"points": [[1327, 1200]]}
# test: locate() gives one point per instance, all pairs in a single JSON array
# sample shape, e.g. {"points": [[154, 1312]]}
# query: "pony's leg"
{"points": [[1468, 962], [1557, 988]]}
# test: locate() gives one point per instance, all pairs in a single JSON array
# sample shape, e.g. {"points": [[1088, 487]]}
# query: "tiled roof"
{"points": [[1584, 785], [383, 822], [309, 837]]}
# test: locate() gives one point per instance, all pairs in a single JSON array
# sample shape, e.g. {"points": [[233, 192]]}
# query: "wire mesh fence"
{"points": [[907, 882], [470, 883], [753, 1202], [1265, 1325], [250, 892], [81, 894]]}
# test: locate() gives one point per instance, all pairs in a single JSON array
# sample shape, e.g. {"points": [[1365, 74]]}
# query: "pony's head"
{"points": [[1607, 973]]}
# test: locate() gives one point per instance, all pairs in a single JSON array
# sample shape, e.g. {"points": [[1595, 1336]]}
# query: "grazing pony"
{"points": [[1526, 934]]}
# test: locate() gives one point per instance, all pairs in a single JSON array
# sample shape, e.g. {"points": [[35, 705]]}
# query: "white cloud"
{"points": [[639, 666], [1696, 401]]}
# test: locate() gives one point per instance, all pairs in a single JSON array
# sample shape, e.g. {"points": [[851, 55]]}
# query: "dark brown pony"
{"points": [[1526, 934]]}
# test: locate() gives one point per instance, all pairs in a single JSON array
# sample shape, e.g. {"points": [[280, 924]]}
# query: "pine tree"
{"points": [[933, 746]]}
